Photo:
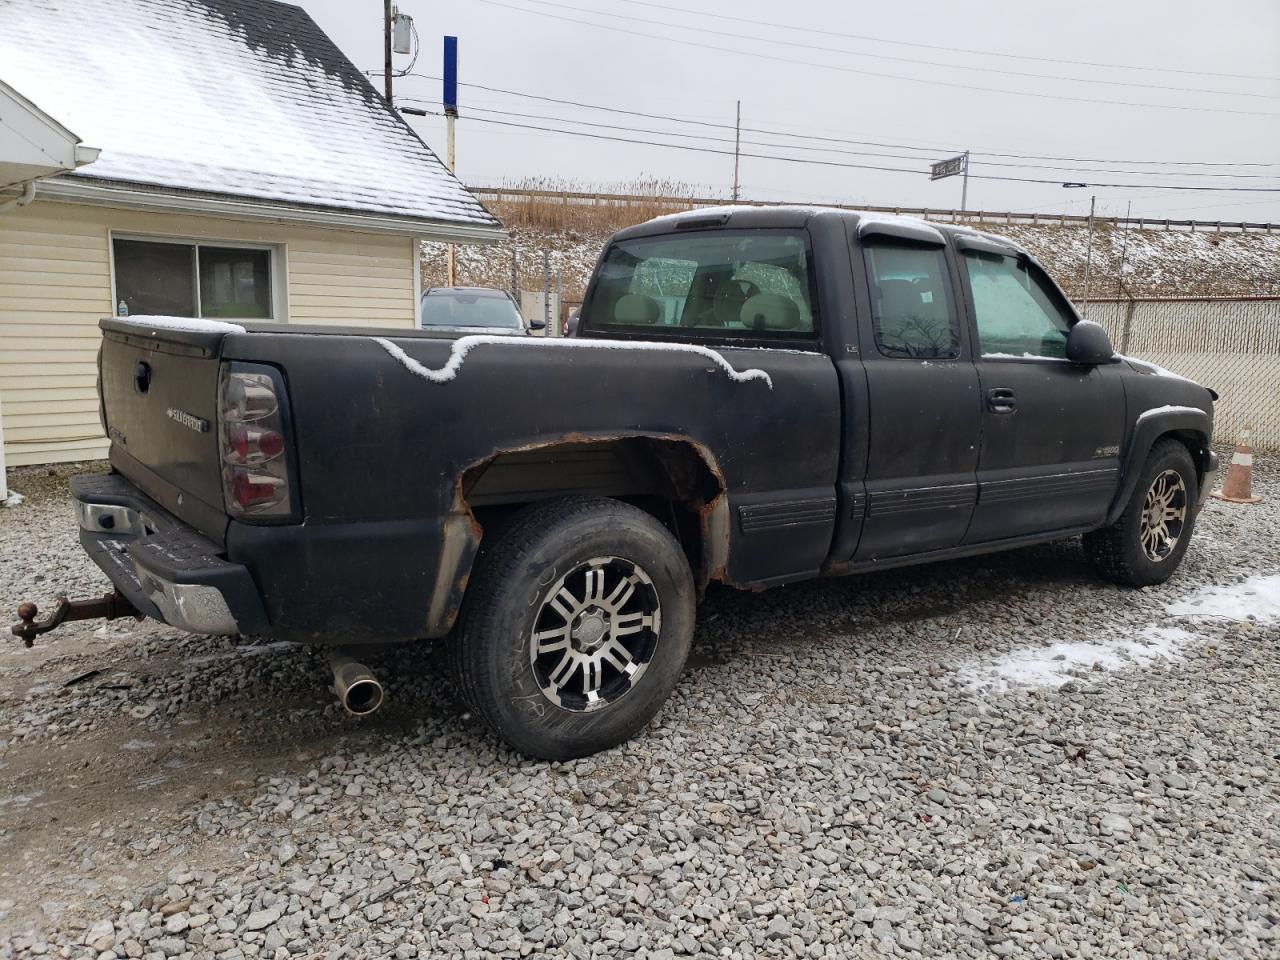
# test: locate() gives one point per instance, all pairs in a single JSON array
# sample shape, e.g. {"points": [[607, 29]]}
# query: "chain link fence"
{"points": [[1229, 344]]}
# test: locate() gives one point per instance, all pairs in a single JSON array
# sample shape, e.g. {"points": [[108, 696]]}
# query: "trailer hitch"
{"points": [[109, 607]]}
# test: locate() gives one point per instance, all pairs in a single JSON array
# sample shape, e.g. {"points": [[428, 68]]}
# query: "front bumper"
{"points": [[167, 570]]}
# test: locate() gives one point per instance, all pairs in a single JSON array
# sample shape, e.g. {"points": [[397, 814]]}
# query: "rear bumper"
{"points": [[167, 570]]}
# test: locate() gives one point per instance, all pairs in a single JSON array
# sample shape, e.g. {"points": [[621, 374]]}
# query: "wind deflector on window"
{"points": [[900, 228], [981, 243], [697, 223]]}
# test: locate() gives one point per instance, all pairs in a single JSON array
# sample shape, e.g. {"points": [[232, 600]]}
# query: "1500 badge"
{"points": [[188, 420]]}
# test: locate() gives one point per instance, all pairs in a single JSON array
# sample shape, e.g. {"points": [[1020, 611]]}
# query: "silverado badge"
{"points": [[188, 420]]}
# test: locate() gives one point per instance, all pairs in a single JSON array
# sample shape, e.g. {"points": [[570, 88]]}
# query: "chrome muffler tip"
{"points": [[357, 688]]}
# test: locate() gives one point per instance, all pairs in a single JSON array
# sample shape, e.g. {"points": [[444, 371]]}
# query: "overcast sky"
{"points": [[691, 60]]}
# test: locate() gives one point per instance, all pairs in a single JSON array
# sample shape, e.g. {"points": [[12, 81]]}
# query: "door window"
{"points": [[910, 303], [1017, 312]]}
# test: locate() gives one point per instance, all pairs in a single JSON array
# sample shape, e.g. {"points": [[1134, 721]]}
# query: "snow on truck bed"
{"points": [[464, 345]]}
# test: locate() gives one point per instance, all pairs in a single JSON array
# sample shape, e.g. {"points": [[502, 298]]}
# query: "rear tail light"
{"points": [[251, 441]]}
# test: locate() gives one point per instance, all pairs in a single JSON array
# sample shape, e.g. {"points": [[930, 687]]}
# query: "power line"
{"points": [[884, 56], [930, 46], [833, 163], [675, 133], [837, 150], [873, 73], [931, 151]]}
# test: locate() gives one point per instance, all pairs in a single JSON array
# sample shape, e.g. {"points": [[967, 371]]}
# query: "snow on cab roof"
{"points": [[241, 98], [865, 217]]}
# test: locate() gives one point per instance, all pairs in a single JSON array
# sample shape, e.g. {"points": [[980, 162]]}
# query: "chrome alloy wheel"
{"points": [[595, 633], [1164, 514]]}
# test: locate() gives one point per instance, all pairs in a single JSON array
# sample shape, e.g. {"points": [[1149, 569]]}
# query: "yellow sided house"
{"points": [[227, 161]]}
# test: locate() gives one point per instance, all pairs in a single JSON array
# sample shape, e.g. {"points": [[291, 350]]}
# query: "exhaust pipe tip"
{"points": [[362, 697], [357, 688]]}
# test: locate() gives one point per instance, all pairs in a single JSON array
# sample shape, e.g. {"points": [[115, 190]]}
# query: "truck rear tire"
{"points": [[575, 627], [1145, 546]]}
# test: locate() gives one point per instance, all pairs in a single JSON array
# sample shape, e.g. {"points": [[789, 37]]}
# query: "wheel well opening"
{"points": [[670, 479], [1197, 445]]}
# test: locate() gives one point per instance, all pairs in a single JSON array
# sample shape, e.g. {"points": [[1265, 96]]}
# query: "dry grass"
{"points": [[596, 216]]}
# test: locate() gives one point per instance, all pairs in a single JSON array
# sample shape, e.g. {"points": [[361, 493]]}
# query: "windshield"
{"points": [[747, 283], [461, 308]]}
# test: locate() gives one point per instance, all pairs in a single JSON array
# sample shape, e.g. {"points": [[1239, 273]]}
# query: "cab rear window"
{"points": [[727, 283]]}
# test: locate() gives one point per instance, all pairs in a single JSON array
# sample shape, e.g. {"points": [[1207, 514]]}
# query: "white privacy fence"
{"points": [[1229, 344]]}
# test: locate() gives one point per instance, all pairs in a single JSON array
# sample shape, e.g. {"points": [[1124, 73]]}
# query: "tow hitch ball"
{"points": [[110, 607]]}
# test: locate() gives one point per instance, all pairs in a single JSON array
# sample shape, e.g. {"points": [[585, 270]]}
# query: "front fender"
{"points": [[1189, 424]]}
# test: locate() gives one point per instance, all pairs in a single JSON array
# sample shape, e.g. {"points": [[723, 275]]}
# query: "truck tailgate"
{"points": [[159, 393]]}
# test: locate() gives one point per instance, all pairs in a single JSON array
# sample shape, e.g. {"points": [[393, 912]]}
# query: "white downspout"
{"points": [[28, 194], [4, 483]]}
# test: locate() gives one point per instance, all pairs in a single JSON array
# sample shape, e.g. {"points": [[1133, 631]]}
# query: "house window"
{"points": [[174, 278]]}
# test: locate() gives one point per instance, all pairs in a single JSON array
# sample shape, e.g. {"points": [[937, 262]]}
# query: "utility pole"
{"points": [[386, 48], [450, 118], [1124, 249], [737, 141], [555, 332], [1088, 259], [546, 294], [964, 190]]}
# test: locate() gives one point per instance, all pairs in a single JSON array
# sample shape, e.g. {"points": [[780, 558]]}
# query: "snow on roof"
{"points": [[246, 98], [866, 220]]}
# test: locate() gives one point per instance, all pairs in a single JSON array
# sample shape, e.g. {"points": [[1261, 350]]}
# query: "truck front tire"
{"points": [[575, 627], [1145, 546]]}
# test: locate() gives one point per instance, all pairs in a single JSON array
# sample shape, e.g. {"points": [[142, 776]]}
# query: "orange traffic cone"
{"points": [[1238, 487]]}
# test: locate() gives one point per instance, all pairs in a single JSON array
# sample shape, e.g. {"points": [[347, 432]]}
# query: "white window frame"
{"points": [[277, 265]]}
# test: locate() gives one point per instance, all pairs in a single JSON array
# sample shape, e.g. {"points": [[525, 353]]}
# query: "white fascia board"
{"points": [[37, 127], [37, 145], [78, 190]]}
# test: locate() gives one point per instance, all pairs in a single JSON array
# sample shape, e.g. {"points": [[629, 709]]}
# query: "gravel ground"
{"points": [[918, 763]]}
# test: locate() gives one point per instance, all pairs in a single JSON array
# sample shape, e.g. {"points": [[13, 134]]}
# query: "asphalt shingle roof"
{"points": [[244, 98]]}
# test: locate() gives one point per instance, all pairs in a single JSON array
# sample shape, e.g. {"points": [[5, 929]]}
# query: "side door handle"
{"points": [[1001, 400]]}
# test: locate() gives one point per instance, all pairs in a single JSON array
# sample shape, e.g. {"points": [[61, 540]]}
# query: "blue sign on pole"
{"points": [[451, 76]]}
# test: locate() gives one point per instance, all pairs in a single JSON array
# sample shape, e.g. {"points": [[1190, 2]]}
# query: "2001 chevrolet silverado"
{"points": [[754, 396]]}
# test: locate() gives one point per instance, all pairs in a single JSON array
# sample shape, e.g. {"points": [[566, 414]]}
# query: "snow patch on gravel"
{"points": [[1060, 663], [13, 499], [1257, 599]]}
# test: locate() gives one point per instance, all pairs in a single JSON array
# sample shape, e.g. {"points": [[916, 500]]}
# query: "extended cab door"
{"points": [[1052, 430], [922, 394]]}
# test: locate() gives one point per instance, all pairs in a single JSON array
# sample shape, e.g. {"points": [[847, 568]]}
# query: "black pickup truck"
{"points": [[753, 396]]}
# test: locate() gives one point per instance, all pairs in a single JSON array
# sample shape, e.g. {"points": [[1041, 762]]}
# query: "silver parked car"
{"points": [[473, 310]]}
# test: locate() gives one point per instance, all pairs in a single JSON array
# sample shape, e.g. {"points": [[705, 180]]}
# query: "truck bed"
{"points": [[393, 432]]}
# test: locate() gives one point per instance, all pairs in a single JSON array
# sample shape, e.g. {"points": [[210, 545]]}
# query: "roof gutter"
{"points": [[119, 194], [21, 200]]}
